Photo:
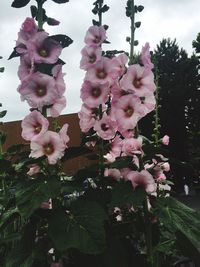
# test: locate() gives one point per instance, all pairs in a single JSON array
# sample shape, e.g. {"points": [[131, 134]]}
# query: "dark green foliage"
{"points": [[20, 3], [60, 1], [62, 39]]}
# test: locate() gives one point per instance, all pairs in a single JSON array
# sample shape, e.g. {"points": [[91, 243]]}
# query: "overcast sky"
{"points": [[178, 19]]}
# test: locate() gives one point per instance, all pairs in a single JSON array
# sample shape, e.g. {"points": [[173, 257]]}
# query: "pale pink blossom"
{"points": [[34, 169], [49, 144], [138, 80], [119, 64], [165, 140], [127, 111], [43, 49], [160, 176], [145, 57], [143, 179], [86, 118], [114, 173], [26, 67], [131, 146], [103, 71], [94, 94], [106, 127], [90, 56], [57, 107], [58, 76], [63, 133], [95, 36], [148, 103], [38, 90], [116, 149], [27, 31], [34, 125], [46, 205]]}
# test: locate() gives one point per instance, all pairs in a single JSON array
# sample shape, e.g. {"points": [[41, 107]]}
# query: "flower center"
{"points": [[137, 83], [92, 59], [97, 39], [101, 74], [38, 128], [48, 149], [43, 53], [129, 111], [104, 127], [41, 91], [96, 92]]}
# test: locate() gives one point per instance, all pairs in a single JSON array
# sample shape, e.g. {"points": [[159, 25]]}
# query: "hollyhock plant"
{"points": [[127, 112], [90, 56], [143, 179], [116, 149], [106, 127], [95, 36], [138, 80], [94, 94], [103, 71], [148, 103], [34, 169], [57, 107], [165, 140], [58, 76], [87, 118], [43, 49], [131, 146], [26, 67], [119, 63], [38, 90], [49, 144], [27, 31], [145, 57], [34, 125]]}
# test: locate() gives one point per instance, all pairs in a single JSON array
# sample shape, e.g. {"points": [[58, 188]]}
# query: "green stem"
{"points": [[156, 116], [40, 16], [148, 233], [132, 33], [100, 13]]}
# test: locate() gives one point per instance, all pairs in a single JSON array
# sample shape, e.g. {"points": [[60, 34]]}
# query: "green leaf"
{"points": [[73, 152], [34, 11], [137, 24], [123, 162], [20, 3], [124, 194], [5, 166], [2, 138], [188, 248], [60, 1], [62, 39], [82, 229], [140, 8], [2, 69], [105, 8], [14, 54], [30, 197], [8, 216], [176, 216], [3, 113]]}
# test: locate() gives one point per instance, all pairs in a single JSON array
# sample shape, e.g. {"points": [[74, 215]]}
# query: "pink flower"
{"points": [[116, 149], [38, 90], [95, 36], [47, 205], [90, 56], [27, 31], [26, 67], [114, 173], [138, 80], [63, 133], [57, 107], [43, 49], [159, 176], [148, 103], [34, 169], [58, 76], [34, 125], [94, 94], [165, 140], [50, 144], [86, 117], [119, 63], [106, 127], [143, 179], [127, 112], [103, 71], [145, 57], [131, 146]]}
